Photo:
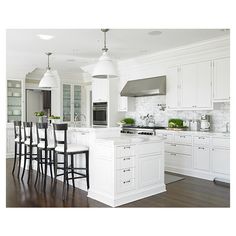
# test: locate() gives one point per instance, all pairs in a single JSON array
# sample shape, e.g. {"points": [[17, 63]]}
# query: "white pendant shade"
{"points": [[105, 68], [49, 80]]}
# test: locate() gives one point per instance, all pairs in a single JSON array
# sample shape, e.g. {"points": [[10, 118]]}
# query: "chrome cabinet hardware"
{"points": [[126, 170], [201, 148], [128, 147], [201, 137], [174, 145], [126, 158], [182, 136], [126, 182], [173, 154]]}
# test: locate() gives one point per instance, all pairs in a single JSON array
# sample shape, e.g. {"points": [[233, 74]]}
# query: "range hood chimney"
{"points": [[145, 87]]}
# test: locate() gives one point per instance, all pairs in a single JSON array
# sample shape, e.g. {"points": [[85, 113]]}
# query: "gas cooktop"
{"points": [[143, 127]]}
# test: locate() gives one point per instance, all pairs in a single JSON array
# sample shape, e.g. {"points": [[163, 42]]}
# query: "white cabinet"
{"points": [[100, 90], [196, 79], [150, 168], [173, 98], [10, 142], [221, 82], [71, 103], [220, 161], [201, 158]]}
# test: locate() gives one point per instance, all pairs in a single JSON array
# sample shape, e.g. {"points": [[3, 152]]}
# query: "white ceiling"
{"points": [[73, 48]]}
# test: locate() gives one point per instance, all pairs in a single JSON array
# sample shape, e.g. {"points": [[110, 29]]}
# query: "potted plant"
{"points": [[127, 122], [54, 119], [40, 115]]}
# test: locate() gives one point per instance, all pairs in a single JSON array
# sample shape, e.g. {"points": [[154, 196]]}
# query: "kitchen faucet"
{"points": [[77, 116]]}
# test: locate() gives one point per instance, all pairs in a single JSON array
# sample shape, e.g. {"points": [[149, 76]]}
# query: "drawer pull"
{"points": [[127, 147], [126, 158], [201, 137], [173, 154], [126, 170], [201, 148], [126, 182], [182, 136], [174, 145]]}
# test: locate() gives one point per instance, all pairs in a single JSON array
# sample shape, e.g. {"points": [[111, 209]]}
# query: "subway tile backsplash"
{"points": [[220, 115]]}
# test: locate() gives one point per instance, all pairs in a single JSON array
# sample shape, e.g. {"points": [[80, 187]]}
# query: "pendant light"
{"points": [[49, 80], [105, 67]]}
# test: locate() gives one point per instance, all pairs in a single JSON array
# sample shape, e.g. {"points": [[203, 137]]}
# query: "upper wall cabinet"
{"points": [[100, 90], [190, 86], [196, 81], [221, 82], [173, 88]]}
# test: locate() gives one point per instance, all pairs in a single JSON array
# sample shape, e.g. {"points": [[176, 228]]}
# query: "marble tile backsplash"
{"points": [[220, 115]]}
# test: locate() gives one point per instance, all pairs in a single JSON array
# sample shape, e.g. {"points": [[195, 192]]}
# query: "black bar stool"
{"points": [[65, 149], [48, 147], [18, 146], [30, 144]]}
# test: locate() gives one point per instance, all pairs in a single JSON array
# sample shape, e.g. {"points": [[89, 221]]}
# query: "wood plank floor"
{"points": [[190, 192]]}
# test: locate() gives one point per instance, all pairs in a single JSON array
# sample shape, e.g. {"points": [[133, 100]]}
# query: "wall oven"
{"points": [[100, 113]]}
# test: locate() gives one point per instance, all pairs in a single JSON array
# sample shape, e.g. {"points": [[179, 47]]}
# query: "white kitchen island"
{"points": [[126, 168]]}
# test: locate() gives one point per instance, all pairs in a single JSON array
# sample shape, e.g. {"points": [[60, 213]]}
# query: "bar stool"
{"points": [[65, 149], [18, 146], [30, 144], [44, 144]]}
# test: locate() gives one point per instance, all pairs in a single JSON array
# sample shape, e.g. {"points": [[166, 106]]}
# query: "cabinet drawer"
{"points": [[201, 141], [178, 160], [178, 148], [221, 142], [183, 139], [125, 162], [125, 174], [125, 185], [124, 151], [169, 138]]}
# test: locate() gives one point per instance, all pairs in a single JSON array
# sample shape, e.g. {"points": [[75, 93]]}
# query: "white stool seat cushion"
{"points": [[71, 148], [42, 145], [27, 142]]}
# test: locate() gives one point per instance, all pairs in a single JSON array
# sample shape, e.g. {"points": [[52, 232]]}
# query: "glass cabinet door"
{"points": [[77, 101], [14, 98], [66, 102]]}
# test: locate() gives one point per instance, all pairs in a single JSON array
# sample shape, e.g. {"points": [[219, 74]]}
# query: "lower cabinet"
{"points": [[178, 160], [206, 157], [220, 161], [201, 156], [150, 170]]}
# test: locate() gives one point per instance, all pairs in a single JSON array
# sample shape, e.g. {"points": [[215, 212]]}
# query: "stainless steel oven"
{"points": [[100, 113]]}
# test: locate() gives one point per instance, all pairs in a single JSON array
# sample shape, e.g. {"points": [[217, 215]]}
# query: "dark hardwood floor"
{"points": [[190, 192]]}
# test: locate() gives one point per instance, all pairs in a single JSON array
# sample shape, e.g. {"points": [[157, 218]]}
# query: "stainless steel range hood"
{"points": [[145, 87]]}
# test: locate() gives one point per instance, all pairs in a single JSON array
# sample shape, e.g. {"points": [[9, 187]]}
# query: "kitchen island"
{"points": [[126, 168]]}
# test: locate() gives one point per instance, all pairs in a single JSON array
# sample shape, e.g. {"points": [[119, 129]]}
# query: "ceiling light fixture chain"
{"points": [[48, 54], [105, 49]]}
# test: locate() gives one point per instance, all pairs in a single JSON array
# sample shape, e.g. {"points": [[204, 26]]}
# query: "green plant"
{"points": [[39, 113], [54, 117], [175, 123], [128, 121]]}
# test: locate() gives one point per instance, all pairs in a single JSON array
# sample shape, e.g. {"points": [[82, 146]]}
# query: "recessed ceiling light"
{"points": [[45, 36], [155, 32]]}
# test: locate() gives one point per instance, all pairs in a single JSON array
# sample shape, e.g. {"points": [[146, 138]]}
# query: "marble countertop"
{"points": [[130, 139]]}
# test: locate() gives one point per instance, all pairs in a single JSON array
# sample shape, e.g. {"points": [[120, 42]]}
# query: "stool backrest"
{"points": [[41, 130], [57, 129], [28, 134], [17, 129]]}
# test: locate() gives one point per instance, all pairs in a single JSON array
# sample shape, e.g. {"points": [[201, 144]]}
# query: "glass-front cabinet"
{"points": [[71, 102], [14, 100]]}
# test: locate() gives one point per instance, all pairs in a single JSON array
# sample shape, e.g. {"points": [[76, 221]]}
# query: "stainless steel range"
{"points": [[143, 130]]}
